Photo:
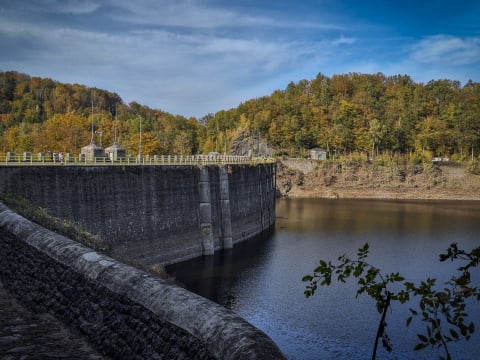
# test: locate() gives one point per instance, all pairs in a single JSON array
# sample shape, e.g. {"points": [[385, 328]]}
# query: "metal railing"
{"points": [[68, 159]]}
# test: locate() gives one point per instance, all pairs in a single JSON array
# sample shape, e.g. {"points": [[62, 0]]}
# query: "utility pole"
{"points": [[115, 127], [140, 141], [91, 139]]}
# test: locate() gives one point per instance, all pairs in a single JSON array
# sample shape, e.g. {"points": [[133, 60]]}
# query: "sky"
{"points": [[196, 57]]}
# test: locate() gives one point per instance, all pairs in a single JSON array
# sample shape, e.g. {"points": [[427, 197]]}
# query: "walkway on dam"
{"points": [[27, 335]]}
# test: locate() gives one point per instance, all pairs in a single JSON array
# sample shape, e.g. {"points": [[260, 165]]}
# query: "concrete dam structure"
{"points": [[154, 214], [149, 214]]}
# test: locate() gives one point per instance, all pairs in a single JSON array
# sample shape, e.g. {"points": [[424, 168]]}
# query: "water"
{"points": [[261, 280]]}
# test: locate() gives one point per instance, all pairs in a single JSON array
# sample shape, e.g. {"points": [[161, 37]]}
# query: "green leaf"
{"points": [[462, 281], [420, 347], [409, 320], [307, 278], [454, 334], [471, 328], [363, 251], [422, 338], [444, 257]]}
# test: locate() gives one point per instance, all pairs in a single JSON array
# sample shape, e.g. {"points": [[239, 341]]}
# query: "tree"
{"points": [[183, 144], [66, 133], [339, 113], [443, 311]]}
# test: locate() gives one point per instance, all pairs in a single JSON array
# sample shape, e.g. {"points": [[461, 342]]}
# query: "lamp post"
{"points": [[140, 141], [91, 139], [115, 127], [100, 133]]}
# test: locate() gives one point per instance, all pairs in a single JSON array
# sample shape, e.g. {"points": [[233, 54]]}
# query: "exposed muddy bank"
{"points": [[316, 179]]}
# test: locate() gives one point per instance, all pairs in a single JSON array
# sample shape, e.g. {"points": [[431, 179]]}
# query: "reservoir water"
{"points": [[261, 280]]}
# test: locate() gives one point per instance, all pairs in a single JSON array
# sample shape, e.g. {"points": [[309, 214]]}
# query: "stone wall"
{"points": [[154, 214], [125, 312]]}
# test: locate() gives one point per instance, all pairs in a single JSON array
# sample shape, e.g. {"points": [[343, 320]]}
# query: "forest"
{"points": [[368, 114], [42, 115]]}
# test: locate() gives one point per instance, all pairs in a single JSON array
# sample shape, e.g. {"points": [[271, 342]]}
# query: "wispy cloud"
{"points": [[59, 6], [343, 40], [192, 57], [447, 50], [164, 65], [203, 15], [185, 13]]}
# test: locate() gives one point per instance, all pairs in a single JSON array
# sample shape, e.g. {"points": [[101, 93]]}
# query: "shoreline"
{"points": [[311, 179], [381, 196]]}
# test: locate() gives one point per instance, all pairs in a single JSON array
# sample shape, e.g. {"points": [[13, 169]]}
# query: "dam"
{"points": [[148, 214], [154, 214]]}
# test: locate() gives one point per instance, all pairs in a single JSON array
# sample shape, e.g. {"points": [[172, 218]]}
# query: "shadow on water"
{"points": [[260, 279], [213, 276]]}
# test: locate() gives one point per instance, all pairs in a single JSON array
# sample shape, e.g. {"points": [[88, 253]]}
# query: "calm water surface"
{"points": [[261, 280]]}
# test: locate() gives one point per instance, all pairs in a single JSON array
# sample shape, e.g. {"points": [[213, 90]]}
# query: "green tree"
{"points": [[443, 311]]}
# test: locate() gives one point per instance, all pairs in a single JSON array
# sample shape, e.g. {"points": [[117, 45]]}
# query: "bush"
{"points": [[474, 167]]}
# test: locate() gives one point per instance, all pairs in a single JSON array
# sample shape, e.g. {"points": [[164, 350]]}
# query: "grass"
{"points": [[71, 230], [44, 218]]}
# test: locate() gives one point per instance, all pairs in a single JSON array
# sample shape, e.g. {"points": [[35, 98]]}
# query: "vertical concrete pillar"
{"points": [[205, 211], [271, 193], [226, 227]]}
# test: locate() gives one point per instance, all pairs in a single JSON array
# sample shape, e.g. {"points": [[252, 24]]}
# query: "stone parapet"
{"points": [[125, 312]]}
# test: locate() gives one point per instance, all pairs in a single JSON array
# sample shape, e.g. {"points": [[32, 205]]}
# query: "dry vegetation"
{"points": [[71, 230], [353, 179]]}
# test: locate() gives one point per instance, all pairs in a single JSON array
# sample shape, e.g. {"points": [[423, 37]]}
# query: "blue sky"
{"points": [[193, 57]]}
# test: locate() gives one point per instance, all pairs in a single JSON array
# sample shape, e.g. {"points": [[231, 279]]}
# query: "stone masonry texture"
{"points": [[150, 214], [124, 312]]}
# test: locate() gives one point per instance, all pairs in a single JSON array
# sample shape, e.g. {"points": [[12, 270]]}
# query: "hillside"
{"points": [[40, 114], [363, 113], [309, 178]]}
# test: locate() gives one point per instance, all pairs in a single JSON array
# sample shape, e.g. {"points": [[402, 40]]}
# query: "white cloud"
{"points": [[187, 72], [185, 13], [61, 6], [342, 40], [200, 15], [160, 68], [447, 50]]}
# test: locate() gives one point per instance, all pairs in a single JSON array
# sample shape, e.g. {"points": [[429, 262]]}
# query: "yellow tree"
{"points": [[64, 132], [149, 144], [434, 136], [182, 145], [11, 138], [208, 146], [18, 139]]}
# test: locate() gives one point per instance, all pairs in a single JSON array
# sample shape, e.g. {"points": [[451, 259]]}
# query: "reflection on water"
{"points": [[260, 280]]}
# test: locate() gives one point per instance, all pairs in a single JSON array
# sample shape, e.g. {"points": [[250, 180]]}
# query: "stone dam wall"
{"points": [[154, 214], [125, 312]]}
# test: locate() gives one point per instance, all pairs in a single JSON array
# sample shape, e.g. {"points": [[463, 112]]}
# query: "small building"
{"points": [[115, 152], [318, 154], [92, 152]]}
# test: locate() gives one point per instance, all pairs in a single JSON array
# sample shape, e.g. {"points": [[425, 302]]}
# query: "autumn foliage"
{"points": [[362, 113], [42, 115]]}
